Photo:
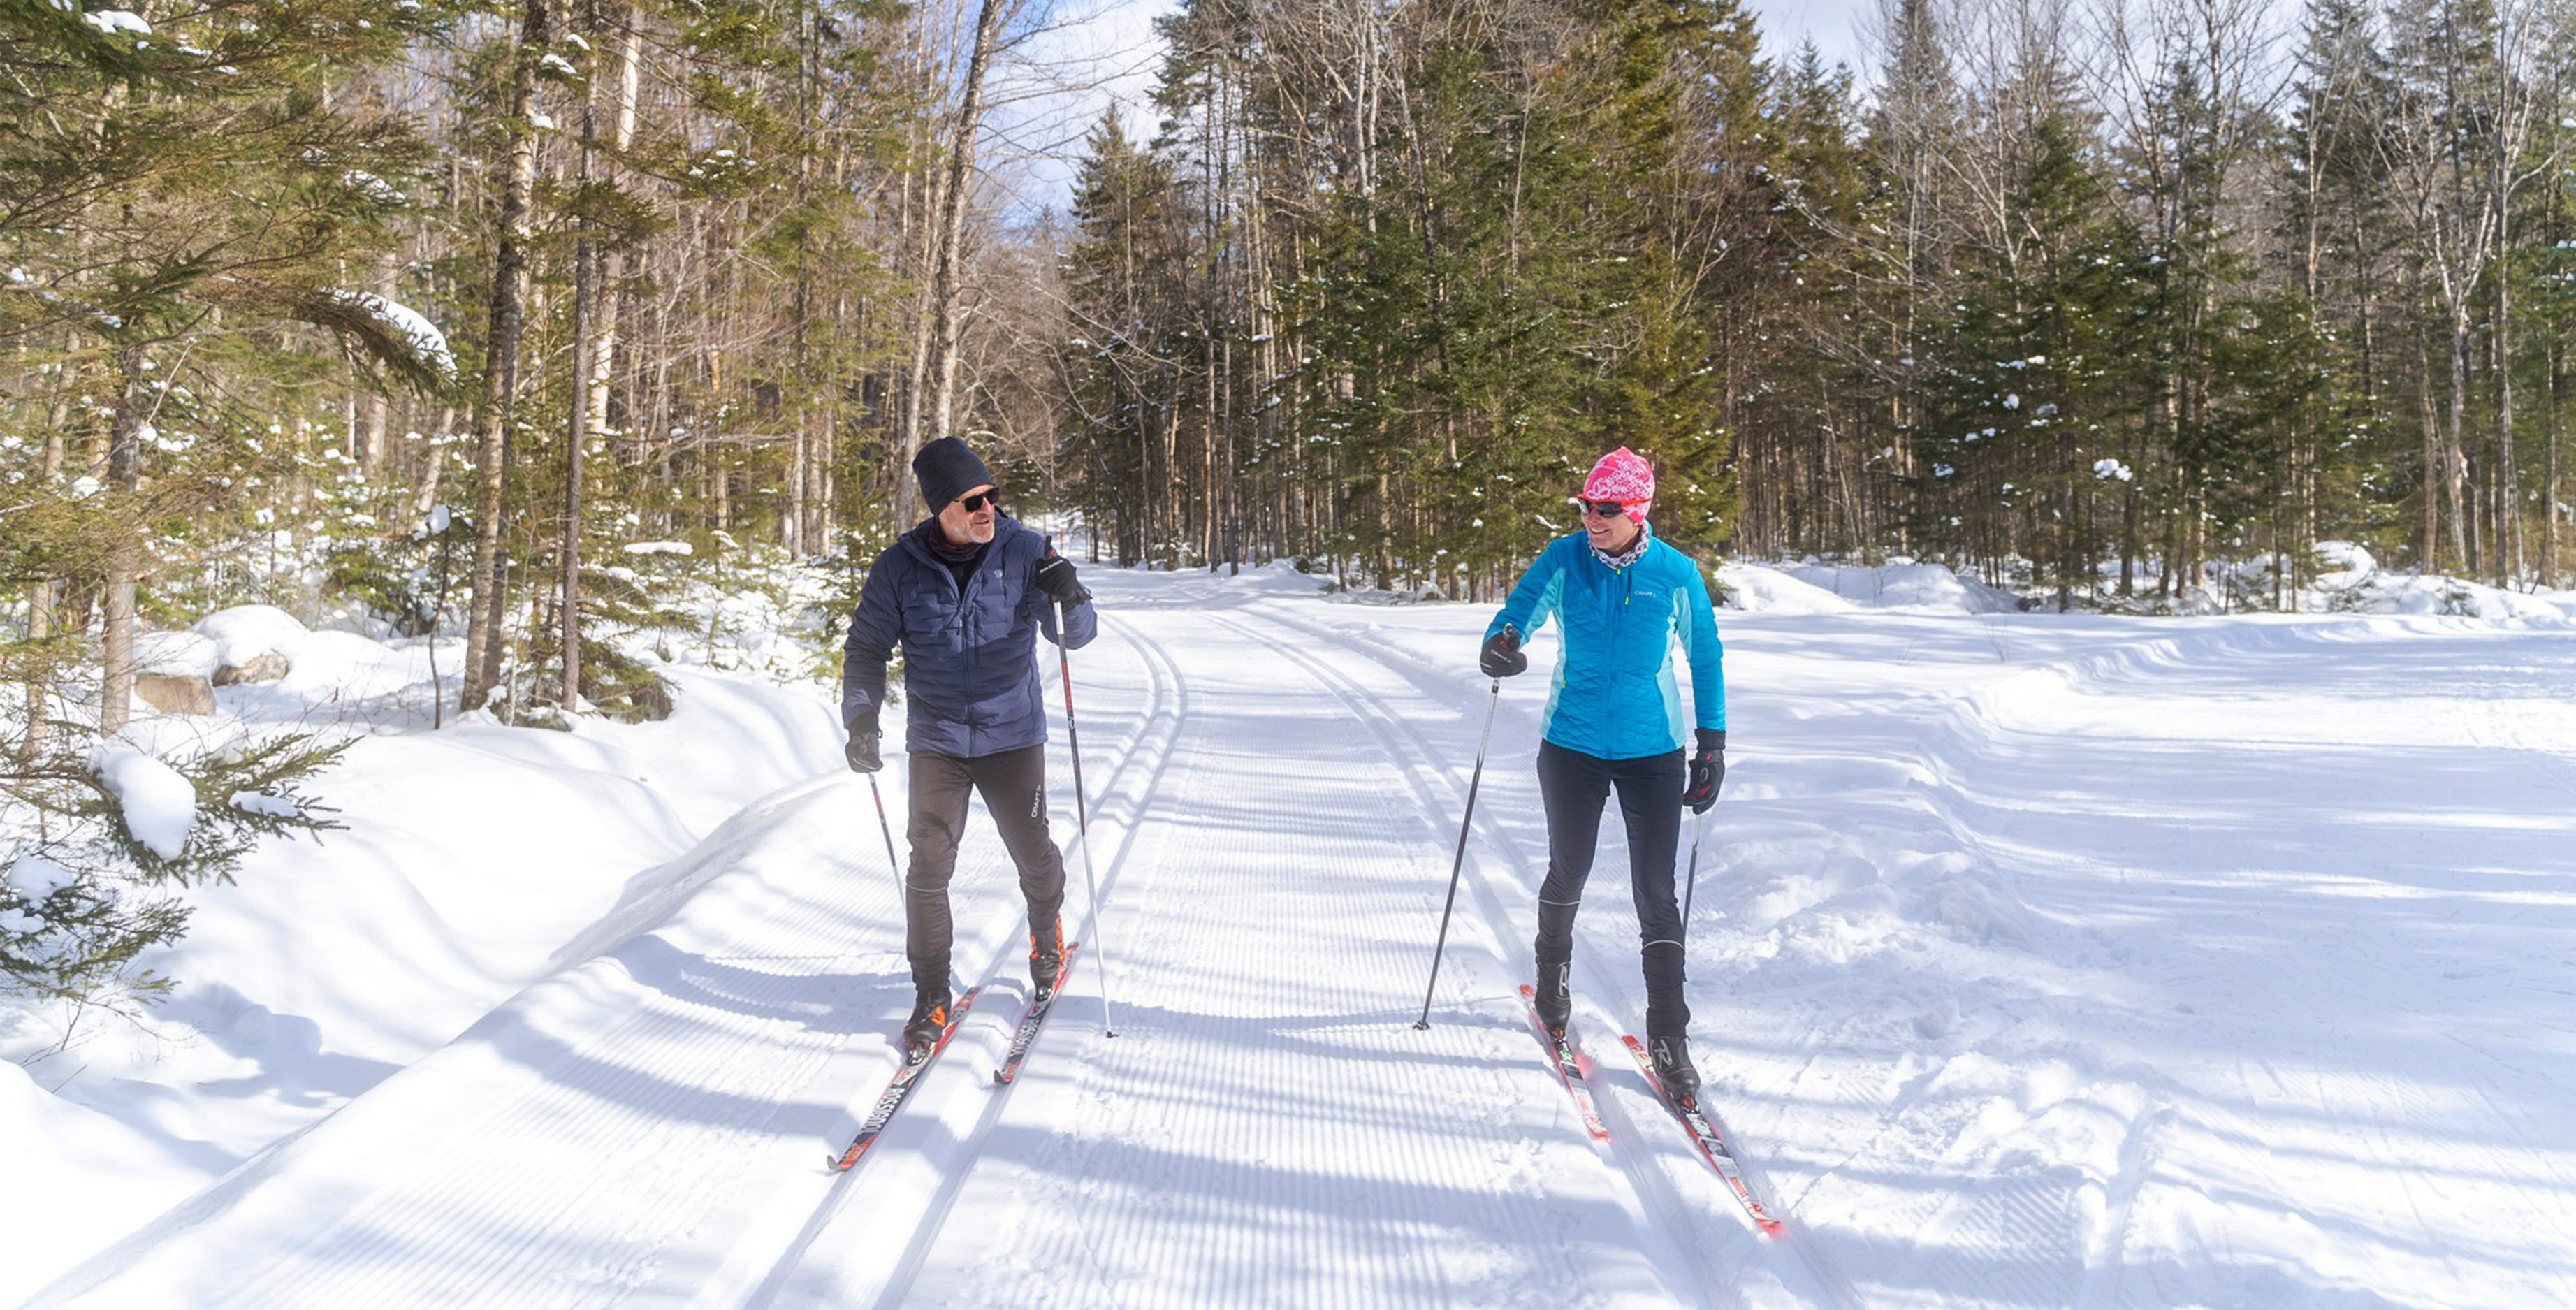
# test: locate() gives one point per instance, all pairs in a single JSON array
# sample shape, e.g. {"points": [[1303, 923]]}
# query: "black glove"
{"points": [[1707, 770], [1055, 578], [862, 750], [1502, 655]]}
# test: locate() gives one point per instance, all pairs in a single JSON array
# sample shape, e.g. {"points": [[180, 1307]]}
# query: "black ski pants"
{"points": [[1574, 786], [1013, 784]]}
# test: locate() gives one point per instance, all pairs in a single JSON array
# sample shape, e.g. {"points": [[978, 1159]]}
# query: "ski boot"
{"points": [[1554, 996], [1046, 960], [929, 1019], [1671, 1055]]}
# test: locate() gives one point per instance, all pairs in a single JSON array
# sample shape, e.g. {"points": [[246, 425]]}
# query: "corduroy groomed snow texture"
{"points": [[1623, 475]]}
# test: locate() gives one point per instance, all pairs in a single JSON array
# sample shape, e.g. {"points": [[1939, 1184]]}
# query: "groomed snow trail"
{"points": [[2038, 962], [1272, 819]]}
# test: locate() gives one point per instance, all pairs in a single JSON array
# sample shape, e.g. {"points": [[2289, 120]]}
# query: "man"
{"points": [[1614, 721], [965, 593]]}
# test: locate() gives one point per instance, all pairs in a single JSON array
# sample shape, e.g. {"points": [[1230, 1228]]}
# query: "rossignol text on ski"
{"points": [[899, 1088]]}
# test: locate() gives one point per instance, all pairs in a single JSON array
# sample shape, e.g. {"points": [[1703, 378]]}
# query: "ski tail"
{"points": [[1030, 1019], [1712, 1146]]}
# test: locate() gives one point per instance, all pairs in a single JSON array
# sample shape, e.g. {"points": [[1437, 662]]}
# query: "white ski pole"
{"points": [[1082, 817], [886, 828]]}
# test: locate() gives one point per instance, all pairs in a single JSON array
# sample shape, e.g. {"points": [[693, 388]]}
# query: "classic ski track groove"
{"points": [[1665, 1220], [1646, 1169]]}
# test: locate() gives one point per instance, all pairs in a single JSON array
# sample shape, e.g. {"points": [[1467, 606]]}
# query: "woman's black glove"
{"points": [[1707, 770], [1502, 655]]}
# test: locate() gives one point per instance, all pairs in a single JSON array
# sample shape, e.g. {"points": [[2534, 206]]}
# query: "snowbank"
{"points": [[1768, 590], [1916, 588], [471, 857]]}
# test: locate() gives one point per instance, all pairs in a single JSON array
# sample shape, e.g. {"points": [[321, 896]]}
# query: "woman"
{"points": [[1614, 722]]}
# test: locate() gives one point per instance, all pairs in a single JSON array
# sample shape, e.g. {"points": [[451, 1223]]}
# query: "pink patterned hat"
{"points": [[1622, 475]]}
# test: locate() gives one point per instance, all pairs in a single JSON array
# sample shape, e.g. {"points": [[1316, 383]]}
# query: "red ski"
{"points": [[1031, 1017], [1712, 1147], [900, 1088], [1572, 1069]]}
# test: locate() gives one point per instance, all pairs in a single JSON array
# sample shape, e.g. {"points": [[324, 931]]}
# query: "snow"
{"points": [[1773, 592], [110, 21], [177, 654], [34, 877], [1909, 588], [158, 804], [372, 187], [252, 802], [246, 632], [426, 340], [2037, 960]]}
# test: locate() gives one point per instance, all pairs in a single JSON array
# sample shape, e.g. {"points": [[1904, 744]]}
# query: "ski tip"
{"points": [[1001, 1078]]}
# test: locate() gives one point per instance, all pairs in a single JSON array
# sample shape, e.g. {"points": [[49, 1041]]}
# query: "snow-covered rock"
{"points": [[253, 643], [2347, 566], [174, 672], [176, 655]]}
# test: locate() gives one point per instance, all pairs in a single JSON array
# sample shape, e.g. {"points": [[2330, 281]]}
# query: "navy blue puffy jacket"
{"points": [[969, 655]]}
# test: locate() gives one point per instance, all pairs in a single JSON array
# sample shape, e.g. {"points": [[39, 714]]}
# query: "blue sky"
{"points": [[1100, 51]]}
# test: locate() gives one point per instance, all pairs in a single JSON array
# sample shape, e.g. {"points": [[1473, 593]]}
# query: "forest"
{"points": [[438, 316]]}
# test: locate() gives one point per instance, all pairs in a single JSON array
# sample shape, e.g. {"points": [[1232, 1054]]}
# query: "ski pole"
{"points": [[885, 827], [1699, 829], [1459, 861], [1082, 818]]}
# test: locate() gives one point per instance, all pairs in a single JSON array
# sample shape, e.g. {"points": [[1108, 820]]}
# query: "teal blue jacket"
{"points": [[1613, 696]]}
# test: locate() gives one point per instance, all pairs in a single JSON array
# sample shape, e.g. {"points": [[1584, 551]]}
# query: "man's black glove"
{"points": [[1055, 578], [1502, 655], [1707, 770], [862, 750]]}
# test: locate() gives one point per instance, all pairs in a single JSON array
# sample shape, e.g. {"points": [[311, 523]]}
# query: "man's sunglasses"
{"points": [[1605, 509], [979, 500]]}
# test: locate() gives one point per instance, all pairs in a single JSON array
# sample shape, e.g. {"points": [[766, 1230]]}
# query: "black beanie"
{"points": [[947, 470]]}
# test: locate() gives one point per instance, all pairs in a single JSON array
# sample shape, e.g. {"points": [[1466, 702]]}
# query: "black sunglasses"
{"points": [[1606, 508], [979, 500]]}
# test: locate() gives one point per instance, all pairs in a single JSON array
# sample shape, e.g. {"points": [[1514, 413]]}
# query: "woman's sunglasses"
{"points": [[979, 500], [1605, 509]]}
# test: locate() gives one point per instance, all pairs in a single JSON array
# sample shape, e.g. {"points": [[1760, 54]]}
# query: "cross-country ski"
{"points": [[1032, 1018], [1573, 1069], [899, 1089]]}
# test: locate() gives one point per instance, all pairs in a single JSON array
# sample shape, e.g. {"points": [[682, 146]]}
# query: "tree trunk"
{"points": [[2455, 460], [498, 404], [585, 305], [125, 558]]}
